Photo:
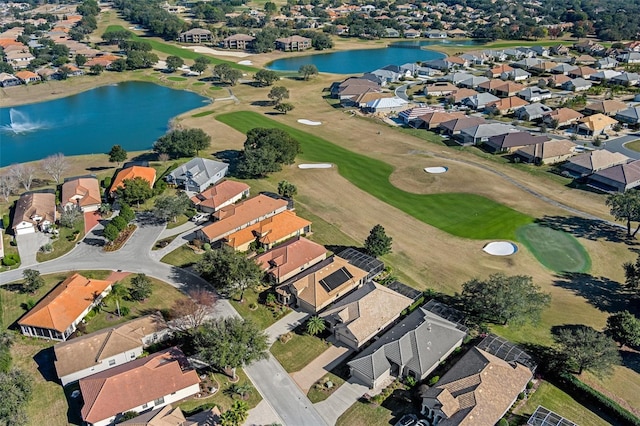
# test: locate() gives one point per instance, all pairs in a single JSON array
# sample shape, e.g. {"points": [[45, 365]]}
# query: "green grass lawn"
{"points": [[298, 352], [319, 392], [182, 257], [175, 50], [460, 214], [62, 245], [634, 146], [391, 410], [8, 249], [222, 398], [173, 78], [202, 114], [215, 88], [556, 250], [199, 83], [262, 316], [180, 220]]}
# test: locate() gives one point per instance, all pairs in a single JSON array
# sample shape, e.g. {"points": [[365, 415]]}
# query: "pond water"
{"points": [[365, 60], [131, 114]]}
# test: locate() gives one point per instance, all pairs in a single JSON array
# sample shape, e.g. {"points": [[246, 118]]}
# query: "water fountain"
{"points": [[19, 123]]}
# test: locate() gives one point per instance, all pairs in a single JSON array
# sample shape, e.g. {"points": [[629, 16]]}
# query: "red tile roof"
{"points": [[146, 173], [270, 230], [219, 194], [289, 257]]}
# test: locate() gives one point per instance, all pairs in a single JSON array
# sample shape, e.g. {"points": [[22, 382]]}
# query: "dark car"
{"points": [[407, 420]]}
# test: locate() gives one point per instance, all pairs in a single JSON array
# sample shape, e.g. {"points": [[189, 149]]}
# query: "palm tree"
{"points": [[241, 389], [236, 415], [315, 325], [118, 292]]}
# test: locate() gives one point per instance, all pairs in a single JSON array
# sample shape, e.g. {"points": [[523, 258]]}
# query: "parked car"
{"points": [[407, 420], [200, 217]]}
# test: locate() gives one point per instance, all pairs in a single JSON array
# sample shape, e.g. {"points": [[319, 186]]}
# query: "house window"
{"points": [[112, 362], [144, 406], [133, 355], [159, 401]]}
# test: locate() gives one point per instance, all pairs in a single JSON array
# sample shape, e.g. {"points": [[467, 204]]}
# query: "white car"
{"points": [[200, 217]]}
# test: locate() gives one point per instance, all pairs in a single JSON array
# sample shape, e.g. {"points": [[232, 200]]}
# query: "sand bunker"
{"points": [[436, 170], [245, 63], [315, 166], [500, 248], [203, 49], [309, 122]]}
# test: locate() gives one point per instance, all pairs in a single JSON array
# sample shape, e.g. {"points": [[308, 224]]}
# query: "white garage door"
{"points": [[25, 230]]}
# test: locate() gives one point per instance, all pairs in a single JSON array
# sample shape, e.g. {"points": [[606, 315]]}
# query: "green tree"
{"points": [[117, 294], [229, 271], [141, 287], [16, 389], [315, 325], [307, 71], [115, 37], [110, 232], [182, 143], [378, 243], [6, 67], [117, 154], [278, 93], [96, 69], [126, 212], [287, 189], [80, 59], [266, 77], [174, 62], [135, 190], [230, 343], [233, 76], [586, 349], [625, 207], [624, 328], [284, 107], [6, 341], [32, 280], [70, 216], [265, 150], [200, 65], [240, 389], [138, 59], [321, 41], [119, 222], [169, 207], [504, 300], [119, 65]]}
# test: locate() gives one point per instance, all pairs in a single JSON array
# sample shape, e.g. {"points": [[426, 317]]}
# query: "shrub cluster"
{"points": [[11, 259]]}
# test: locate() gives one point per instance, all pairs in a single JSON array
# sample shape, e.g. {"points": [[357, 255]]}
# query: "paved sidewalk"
{"points": [[187, 226], [286, 324], [262, 414], [320, 366], [340, 401], [182, 239]]}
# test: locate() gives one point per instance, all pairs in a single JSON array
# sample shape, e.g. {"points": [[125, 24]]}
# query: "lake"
{"points": [[365, 60], [131, 114]]}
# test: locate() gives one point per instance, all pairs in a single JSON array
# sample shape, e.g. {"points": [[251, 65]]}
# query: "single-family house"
{"points": [[472, 82], [269, 232], [234, 217], [364, 313], [563, 68], [293, 43], [626, 79], [318, 286], [19, 59], [8, 80], [455, 126], [34, 211], [606, 63], [391, 33], [82, 193], [197, 174], [145, 383], [506, 89], [27, 77], [582, 72], [386, 105], [238, 42], [195, 35], [438, 64], [576, 85], [474, 58], [509, 142], [435, 34], [146, 173], [490, 86], [496, 71], [555, 80], [456, 77], [594, 125], [479, 101], [431, 120], [57, 314], [629, 116], [590, 162], [617, 178], [354, 86], [629, 57], [517, 74], [478, 390], [460, 94], [457, 62], [411, 33], [543, 67], [526, 63], [412, 348], [584, 59], [363, 99], [506, 105], [439, 89], [561, 117], [173, 416], [549, 152], [608, 107], [290, 258], [534, 94], [604, 75], [532, 112], [220, 195], [482, 132], [540, 50], [92, 353]]}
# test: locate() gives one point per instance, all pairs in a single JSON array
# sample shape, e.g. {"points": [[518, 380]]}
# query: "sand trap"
{"points": [[203, 49], [315, 166], [436, 170], [245, 63], [500, 248], [309, 122]]}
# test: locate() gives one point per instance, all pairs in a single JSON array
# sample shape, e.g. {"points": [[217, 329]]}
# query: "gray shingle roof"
{"points": [[200, 170]]}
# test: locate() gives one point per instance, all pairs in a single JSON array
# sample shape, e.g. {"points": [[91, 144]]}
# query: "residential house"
{"points": [[510, 142], [457, 62], [479, 101], [8, 80], [431, 120], [474, 58], [173, 416], [269, 232], [559, 50], [507, 89], [27, 77], [412, 348], [534, 94], [490, 86], [353, 86], [532, 112], [47, 74], [391, 33], [439, 89], [460, 94], [439, 64], [411, 33], [478, 390], [363, 99], [408, 116], [543, 67], [540, 50], [197, 174], [629, 58], [629, 116], [606, 63], [526, 63], [195, 35], [238, 42], [584, 59], [293, 43], [549, 152], [576, 85], [455, 126], [626, 79], [594, 125], [19, 59], [472, 82], [82, 193], [220, 195], [604, 75], [386, 105], [456, 77], [555, 80], [57, 314], [435, 34], [145, 383], [518, 74], [34, 211], [364, 313], [234, 217], [496, 71], [482, 132], [561, 117], [320, 285], [582, 72], [563, 69], [290, 258], [92, 353], [608, 107], [146, 173], [590, 162], [506, 105], [617, 178]]}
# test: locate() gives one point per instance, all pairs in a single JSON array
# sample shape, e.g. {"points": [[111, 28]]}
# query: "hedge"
{"points": [[11, 259], [575, 387]]}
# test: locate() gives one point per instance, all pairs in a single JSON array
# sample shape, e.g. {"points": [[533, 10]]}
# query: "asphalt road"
{"points": [[617, 145]]}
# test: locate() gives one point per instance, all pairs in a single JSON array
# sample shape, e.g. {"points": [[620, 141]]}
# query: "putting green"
{"points": [[461, 214], [556, 250]]}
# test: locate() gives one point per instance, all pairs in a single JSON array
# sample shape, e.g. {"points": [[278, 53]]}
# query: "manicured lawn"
{"points": [[391, 410], [460, 214], [221, 398], [176, 79], [202, 114], [172, 49], [199, 83], [262, 316], [299, 351], [62, 245], [180, 220], [8, 249], [182, 257], [215, 88], [319, 392], [557, 250], [634, 146]]}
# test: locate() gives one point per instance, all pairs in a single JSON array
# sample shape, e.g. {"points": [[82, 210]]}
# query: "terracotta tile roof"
{"points": [[81, 191], [609, 106], [433, 119], [549, 149], [500, 69], [559, 79], [64, 304], [582, 72], [369, 96], [270, 230], [511, 102], [491, 85], [133, 384], [564, 115], [90, 349], [597, 122], [509, 87], [462, 93], [146, 173], [24, 75], [5, 42], [456, 60], [290, 256], [235, 216], [219, 194]]}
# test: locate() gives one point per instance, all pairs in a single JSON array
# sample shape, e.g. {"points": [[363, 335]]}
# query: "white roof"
{"points": [[387, 103]]}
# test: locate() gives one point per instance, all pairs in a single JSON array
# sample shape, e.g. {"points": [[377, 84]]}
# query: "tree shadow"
{"points": [[144, 157], [401, 403], [99, 169], [231, 157], [631, 359], [585, 228], [272, 113], [74, 404], [262, 103], [601, 292], [337, 248]]}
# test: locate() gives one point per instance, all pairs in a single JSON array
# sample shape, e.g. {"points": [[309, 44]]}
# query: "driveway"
{"points": [[28, 246], [320, 366]]}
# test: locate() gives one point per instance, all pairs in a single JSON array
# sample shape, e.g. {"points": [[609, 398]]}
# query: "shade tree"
{"points": [[33, 281], [266, 77], [169, 207], [134, 190], [229, 271], [16, 387], [182, 143], [307, 71], [55, 165], [278, 93], [624, 328], [586, 349], [174, 62], [265, 151], [117, 154], [24, 173], [284, 107], [378, 243], [189, 313], [141, 287], [200, 64], [625, 207]]}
